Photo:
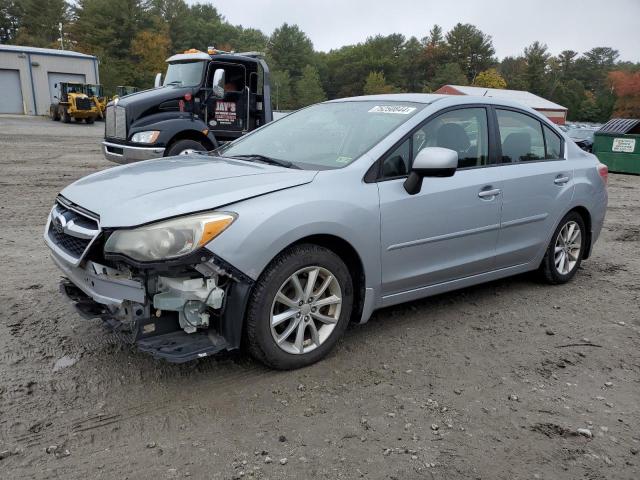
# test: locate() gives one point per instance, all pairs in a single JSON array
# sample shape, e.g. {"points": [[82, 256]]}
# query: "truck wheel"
{"points": [[66, 118], [53, 113], [299, 307], [89, 120], [185, 147]]}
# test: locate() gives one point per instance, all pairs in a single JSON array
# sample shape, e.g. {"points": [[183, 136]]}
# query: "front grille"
{"points": [[121, 123], [116, 122], [71, 232], [72, 245], [110, 122], [83, 103]]}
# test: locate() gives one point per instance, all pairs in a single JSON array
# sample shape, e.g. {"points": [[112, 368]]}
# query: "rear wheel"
{"points": [[64, 114], [53, 113], [299, 308], [185, 147], [565, 251], [89, 120]]}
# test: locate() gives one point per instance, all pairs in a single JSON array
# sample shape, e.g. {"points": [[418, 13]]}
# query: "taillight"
{"points": [[603, 171]]}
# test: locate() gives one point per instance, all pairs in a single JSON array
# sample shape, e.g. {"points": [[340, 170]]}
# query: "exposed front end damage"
{"points": [[178, 310]]}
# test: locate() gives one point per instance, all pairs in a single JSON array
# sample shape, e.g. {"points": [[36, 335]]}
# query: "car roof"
{"points": [[430, 98]]}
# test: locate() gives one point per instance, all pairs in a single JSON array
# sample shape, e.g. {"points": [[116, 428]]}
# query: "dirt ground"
{"points": [[491, 382]]}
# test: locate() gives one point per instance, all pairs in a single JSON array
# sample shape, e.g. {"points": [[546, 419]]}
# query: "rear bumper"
{"points": [[119, 153]]}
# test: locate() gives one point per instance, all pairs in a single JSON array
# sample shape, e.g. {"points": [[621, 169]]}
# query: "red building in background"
{"points": [[556, 113]]}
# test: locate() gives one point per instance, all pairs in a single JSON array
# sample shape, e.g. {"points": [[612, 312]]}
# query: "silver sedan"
{"points": [[278, 240]]}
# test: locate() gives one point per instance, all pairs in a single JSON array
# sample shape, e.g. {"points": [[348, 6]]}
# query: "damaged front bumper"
{"points": [[176, 318], [179, 309]]}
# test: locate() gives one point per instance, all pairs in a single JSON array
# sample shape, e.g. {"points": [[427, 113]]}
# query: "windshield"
{"points": [[325, 136], [185, 74]]}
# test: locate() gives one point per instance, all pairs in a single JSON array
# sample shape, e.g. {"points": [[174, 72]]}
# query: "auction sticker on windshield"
{"points": [[399, 109], [627, 145]]}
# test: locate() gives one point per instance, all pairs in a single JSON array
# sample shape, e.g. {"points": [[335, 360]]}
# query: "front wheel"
{"points": [[66, 118], [89, 120], [565, 251], [299, 308], [185, 147]]}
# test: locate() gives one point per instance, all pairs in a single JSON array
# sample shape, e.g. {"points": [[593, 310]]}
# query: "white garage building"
{"points": [[28, 76]]}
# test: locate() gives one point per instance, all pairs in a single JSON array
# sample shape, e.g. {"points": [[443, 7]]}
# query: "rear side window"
{"points": [[521, 137], [553, 143]]}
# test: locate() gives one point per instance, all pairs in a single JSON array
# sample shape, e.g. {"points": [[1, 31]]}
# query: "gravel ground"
{"points": [[490, 382]]}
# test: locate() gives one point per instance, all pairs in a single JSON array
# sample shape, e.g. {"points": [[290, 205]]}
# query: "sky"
{"points": [[562, 24]]}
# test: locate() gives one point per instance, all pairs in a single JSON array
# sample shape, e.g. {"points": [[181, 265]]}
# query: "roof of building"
{"points": [[44, 51], [395, 97], [527, 98], [620, 126]]}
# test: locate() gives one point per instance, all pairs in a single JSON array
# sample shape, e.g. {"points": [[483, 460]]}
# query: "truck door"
{"points": [[228, 116]]}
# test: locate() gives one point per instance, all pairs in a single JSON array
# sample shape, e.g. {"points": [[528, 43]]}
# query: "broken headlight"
{"points": [[170, 238]]}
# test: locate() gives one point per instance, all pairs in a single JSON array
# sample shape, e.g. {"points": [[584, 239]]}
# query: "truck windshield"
{"points": [[324, 136], [184, 74]]}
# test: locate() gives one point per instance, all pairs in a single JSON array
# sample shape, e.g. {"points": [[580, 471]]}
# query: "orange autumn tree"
{"points": [[626, 86]]}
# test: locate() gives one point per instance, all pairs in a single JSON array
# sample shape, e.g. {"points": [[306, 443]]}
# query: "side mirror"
{"points": [[217, 85], [431, 162], [158, 80]]}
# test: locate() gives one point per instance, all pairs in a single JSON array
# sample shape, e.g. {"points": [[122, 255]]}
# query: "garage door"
{"points": [[55, 77], [11, 97]]}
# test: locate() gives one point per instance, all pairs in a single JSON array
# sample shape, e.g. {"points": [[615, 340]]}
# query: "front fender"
{"points": [[169, 126], [269, 224]]}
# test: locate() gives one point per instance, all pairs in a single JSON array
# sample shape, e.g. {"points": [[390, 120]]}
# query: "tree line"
{"points": [[132, 39]]}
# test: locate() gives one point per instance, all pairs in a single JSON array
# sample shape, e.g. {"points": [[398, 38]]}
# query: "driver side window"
{"points": [[464, 131]]}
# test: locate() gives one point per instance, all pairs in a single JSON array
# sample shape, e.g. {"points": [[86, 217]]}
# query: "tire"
{"points": [[184, 147], [552, 270], [53, 113], [66, 118], [301, 261], [89, 120]]}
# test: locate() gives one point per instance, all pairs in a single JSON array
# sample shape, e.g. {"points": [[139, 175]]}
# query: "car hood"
{"points": [[144, 192]]}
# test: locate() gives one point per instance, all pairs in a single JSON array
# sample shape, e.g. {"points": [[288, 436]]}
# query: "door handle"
{"points": [[561, 180], [489, 193]]}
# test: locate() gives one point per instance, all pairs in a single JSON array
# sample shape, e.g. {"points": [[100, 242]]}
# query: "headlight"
{"points": [[169, 239], [145, 137]]}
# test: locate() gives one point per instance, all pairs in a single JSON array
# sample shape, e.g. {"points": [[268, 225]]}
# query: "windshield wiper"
{"points": [[269, 160]]}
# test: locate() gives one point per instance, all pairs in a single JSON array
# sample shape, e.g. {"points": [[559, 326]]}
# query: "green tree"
{"points": [[308, 87], [448, 74], [536, 57], [290, 49], [490, 79], [38, 22], [281, 91], [150, 49], [434, 53], [513, 70], [470, 48], [9, 20], [376, 83], [106, 28]]}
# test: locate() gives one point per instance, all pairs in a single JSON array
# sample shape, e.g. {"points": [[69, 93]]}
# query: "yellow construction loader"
{"points": [[71, 102], [96, 93]]}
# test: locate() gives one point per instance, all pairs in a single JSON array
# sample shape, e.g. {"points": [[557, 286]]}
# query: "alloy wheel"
{"points": [[567, 248], [305, 310]]}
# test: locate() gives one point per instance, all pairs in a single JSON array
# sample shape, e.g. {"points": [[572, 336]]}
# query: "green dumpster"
{"points": [[617, 145]]}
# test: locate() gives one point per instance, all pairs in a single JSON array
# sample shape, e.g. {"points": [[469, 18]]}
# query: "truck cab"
{"points": [[205, 99]]}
